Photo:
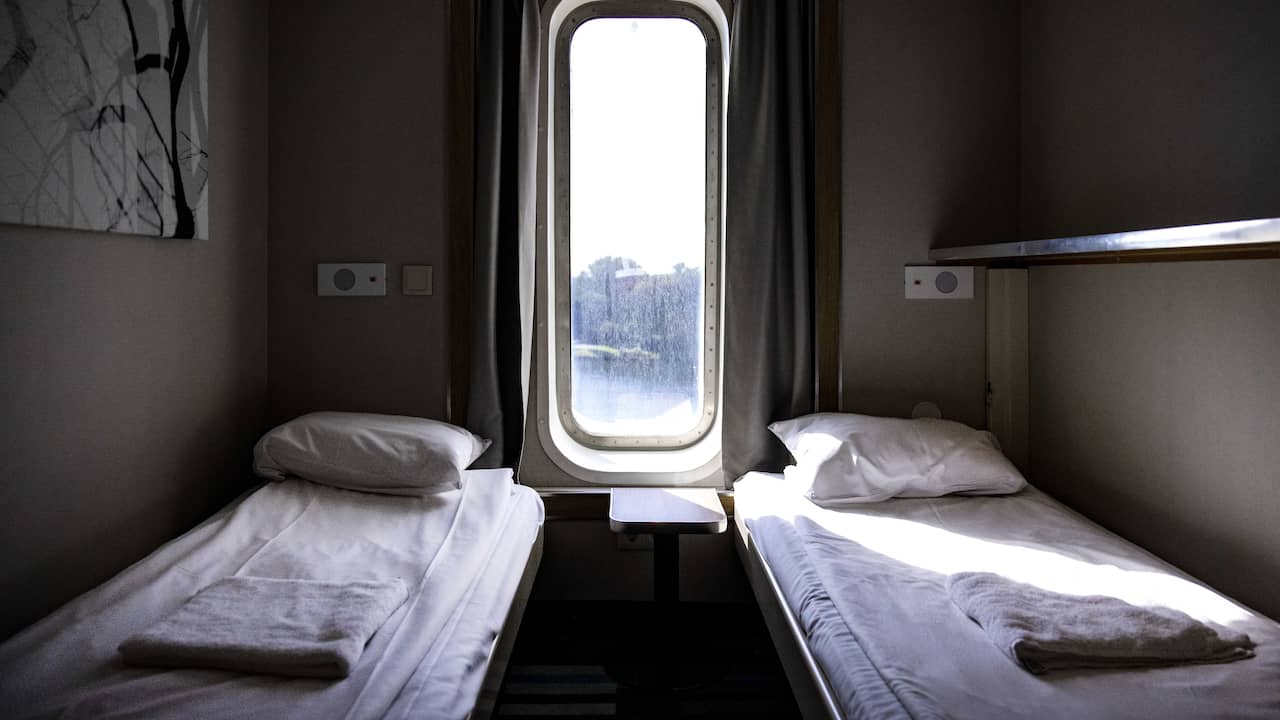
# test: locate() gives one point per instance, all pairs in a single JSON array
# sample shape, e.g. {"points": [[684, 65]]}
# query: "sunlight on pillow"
{"points": [[844, 459]]}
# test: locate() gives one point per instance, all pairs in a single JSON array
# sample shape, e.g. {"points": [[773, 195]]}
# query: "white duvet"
{"points": [[460, 553], [883, 569]]}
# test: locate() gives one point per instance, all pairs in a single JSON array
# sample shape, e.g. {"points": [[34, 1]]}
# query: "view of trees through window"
{"points": [[637, 225], [636, 347]]}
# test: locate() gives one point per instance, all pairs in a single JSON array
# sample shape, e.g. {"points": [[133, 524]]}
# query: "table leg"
{"points": [[661, 668], [666, 569]]}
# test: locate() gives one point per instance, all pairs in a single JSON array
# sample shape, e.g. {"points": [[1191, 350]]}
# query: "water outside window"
{"points": [[638, 124]]}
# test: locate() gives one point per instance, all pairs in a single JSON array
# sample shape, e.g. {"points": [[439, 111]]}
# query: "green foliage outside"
{"points": [[627, 323]]}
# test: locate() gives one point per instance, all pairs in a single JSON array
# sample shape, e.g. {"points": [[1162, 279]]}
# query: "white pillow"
{"points": [[388, 454], [845, 459]]}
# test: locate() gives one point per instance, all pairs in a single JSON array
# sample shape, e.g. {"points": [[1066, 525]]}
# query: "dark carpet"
{"points": [[633, 660]]}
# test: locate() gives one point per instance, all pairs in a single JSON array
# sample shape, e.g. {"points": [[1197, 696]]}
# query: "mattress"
{"points": [[461, 553], [867, 587]]}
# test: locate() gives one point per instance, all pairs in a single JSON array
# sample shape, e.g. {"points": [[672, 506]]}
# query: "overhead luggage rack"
{"points": [[1237, 239]]}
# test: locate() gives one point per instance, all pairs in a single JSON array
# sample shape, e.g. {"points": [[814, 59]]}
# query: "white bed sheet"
{"points": [[456, 551], [879, 572]]}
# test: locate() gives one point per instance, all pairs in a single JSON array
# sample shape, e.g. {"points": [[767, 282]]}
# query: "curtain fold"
{"points": [[769, 226], [507, 56]]}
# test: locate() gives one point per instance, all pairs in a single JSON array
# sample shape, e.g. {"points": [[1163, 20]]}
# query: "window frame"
{"points": [[561, 313]]}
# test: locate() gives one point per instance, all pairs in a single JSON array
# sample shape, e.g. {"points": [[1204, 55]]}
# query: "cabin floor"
{"points": [[635, 660]]}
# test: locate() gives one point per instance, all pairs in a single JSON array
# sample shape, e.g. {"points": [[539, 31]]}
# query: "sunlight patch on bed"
{"points": [[945, 552]]}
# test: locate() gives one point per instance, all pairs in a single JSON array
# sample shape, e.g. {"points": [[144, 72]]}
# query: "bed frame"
{"points": [[1007, 418], [500, 651], [809, 684]]}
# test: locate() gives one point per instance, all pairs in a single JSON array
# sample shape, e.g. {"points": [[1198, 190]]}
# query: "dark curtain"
{"points": [[506, 116], [769, 246]]}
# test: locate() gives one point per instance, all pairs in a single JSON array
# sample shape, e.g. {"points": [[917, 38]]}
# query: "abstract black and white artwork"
{"points": [[103, 117]]}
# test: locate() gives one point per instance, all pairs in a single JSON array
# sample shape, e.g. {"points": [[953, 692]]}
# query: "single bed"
{"points": [[857, 605], [468, 557]]}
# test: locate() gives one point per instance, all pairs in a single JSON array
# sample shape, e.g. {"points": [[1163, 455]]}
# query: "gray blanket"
{"points": [[308, 628], [1043, 631]]}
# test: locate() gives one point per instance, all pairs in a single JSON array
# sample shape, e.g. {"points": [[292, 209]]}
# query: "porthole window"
{"points": [[636, 238]]}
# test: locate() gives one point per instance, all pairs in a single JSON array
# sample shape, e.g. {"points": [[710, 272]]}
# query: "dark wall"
{"points": [[358, 150], [134, 369], [1154, 386], [930, 158], [1148, 113]]}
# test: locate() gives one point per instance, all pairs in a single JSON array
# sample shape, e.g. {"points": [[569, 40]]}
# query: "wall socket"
{"points": [[937, 282], [635, 541], [351, 279]]}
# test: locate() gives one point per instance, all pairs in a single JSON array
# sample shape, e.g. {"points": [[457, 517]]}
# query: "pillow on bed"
{"points": [[844, 459], [388, 454]]}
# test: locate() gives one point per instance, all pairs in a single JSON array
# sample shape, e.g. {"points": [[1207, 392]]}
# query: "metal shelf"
{"points": [[1239, 239]]}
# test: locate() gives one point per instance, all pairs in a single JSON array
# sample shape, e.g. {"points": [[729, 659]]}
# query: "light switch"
{"points": [[416, 280]]}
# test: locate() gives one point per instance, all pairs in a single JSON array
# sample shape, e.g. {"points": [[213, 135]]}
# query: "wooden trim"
{"points": [[461, 184], [1007, 362], [576, 505], [827, 205]]}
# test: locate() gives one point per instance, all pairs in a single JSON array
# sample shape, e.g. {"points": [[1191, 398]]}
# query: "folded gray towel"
{"points": [[308, 628], [1044, 631]]}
